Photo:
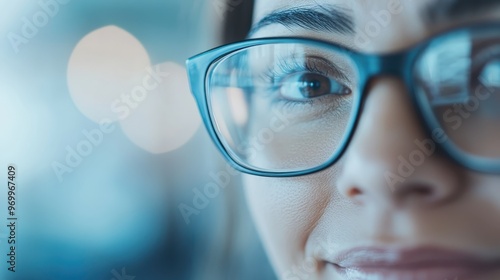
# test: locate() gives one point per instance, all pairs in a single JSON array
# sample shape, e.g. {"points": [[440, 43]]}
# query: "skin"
{"points": [[350, 204]]}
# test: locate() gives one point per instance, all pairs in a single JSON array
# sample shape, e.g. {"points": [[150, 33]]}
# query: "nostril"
{"points": [[422, 191], [354, 192]]}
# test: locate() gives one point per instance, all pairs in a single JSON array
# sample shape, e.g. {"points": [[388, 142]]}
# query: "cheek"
{"points": [[286, 210], [483, 211], [296, 136]]}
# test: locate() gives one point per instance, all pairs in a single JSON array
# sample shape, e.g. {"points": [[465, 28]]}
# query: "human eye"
{"points": [[307, 82], [486, 67], [485, 80], [312, 81], [455, 70], [314, 78]]}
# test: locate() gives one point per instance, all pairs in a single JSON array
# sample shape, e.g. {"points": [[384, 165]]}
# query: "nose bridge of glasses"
{"points": [[388, 65]]}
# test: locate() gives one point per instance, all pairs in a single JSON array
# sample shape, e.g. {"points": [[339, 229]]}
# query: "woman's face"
{"points": [[347, 222]]}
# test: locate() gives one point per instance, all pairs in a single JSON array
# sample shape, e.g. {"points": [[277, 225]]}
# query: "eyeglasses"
{"points": [[283, 107]]}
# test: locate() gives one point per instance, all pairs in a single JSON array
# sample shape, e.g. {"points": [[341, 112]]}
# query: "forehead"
{"points": [[396, 23], [353, 7], [264, 6], [362, 7]]}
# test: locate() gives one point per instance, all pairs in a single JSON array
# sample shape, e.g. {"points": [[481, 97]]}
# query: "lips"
{"points": [[409, 264]]}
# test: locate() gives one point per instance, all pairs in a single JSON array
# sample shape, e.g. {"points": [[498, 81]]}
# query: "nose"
{"points": [[391, 161]]}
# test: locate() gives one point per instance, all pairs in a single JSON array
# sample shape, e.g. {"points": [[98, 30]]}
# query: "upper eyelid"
{"points": [[292, 60], [337, 71]]}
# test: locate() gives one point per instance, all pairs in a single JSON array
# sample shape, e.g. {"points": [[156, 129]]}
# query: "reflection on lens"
{"points": [[282, 107], [459, 76]]}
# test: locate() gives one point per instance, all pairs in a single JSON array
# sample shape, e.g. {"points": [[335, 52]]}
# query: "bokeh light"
{"points": [[110, 77], [168, 117], [104, 65]]}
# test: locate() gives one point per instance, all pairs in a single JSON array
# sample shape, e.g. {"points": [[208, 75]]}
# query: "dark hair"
{"points": [[238, 20]]}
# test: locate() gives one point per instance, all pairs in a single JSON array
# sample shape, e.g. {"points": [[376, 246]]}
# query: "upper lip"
{"points": [[412, 258]]}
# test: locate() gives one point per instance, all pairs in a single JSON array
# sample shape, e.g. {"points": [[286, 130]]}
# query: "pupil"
{"points": [[314, 85]]}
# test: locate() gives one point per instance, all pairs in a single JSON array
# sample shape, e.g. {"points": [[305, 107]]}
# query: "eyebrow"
{"points": [[327, 18], [445, 10]]}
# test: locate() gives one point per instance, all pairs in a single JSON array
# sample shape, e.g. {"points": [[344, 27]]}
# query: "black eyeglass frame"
{"points": [[399, 65]]}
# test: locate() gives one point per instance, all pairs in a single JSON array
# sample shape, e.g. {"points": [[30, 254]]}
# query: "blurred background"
{"points": [[116, 176]]}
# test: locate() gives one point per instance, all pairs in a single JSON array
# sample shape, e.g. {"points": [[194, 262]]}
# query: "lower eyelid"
{"points": [[314, 108]]}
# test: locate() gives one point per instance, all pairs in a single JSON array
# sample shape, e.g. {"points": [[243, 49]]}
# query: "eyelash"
{"points": [[289, 66]]}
